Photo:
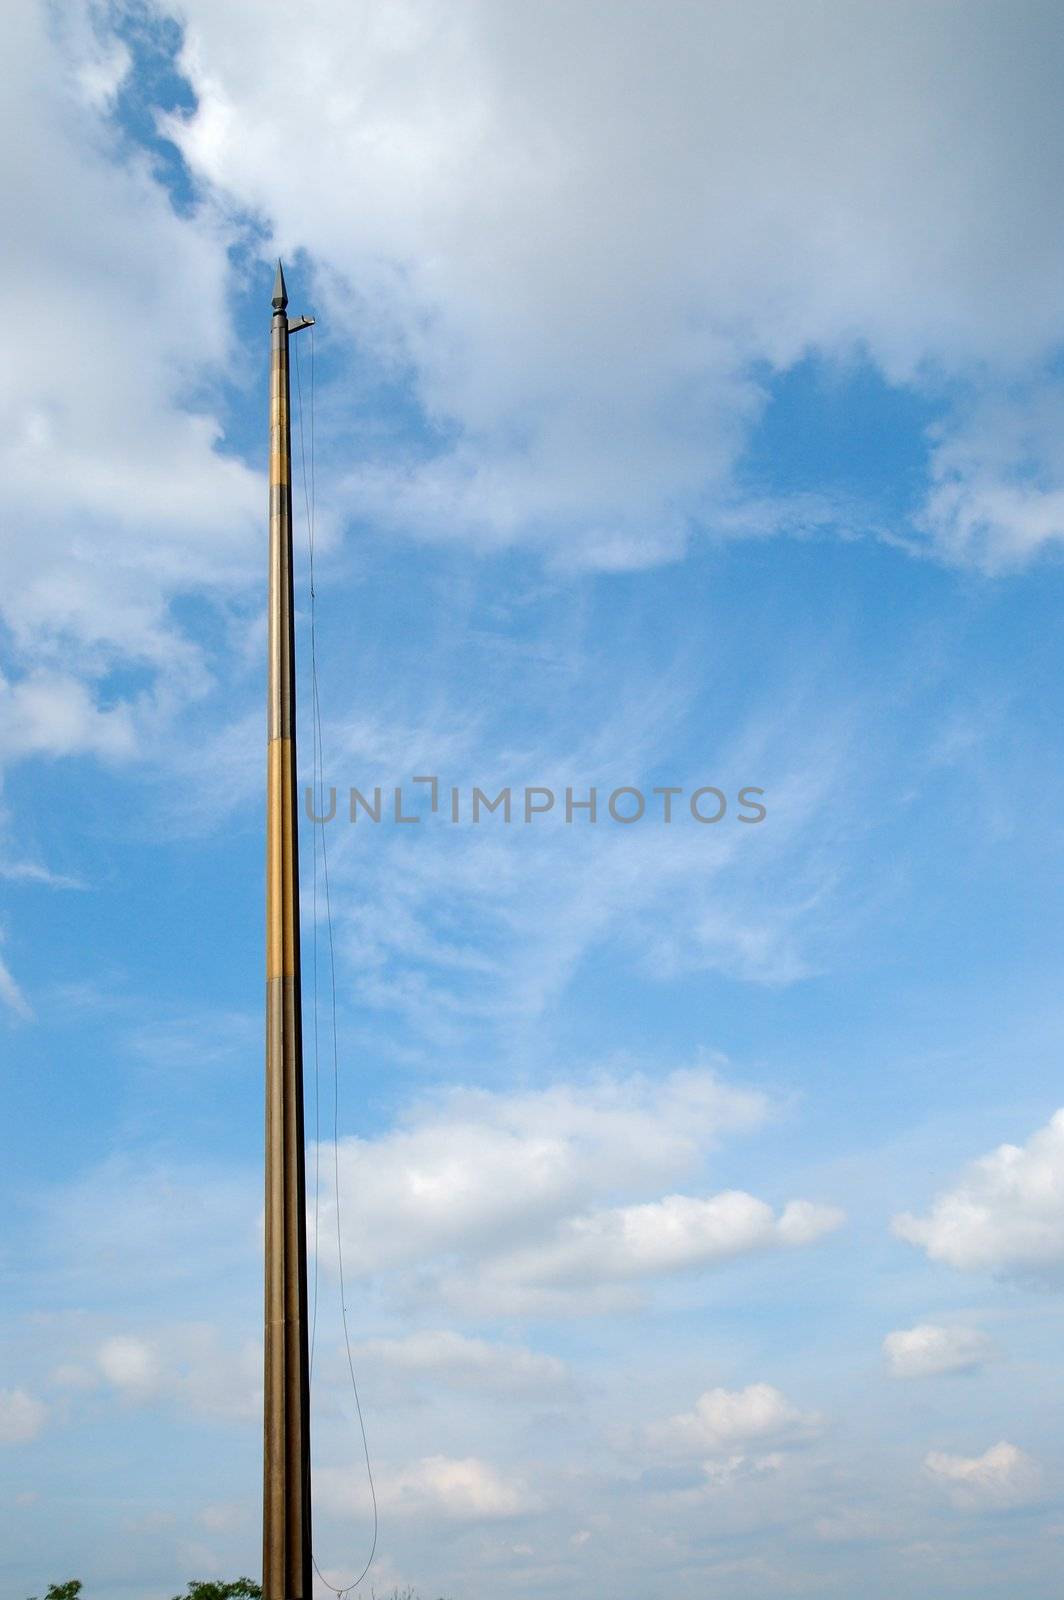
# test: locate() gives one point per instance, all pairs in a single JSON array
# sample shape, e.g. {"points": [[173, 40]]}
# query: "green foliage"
{"points": [[241, 1589], [200, 1589]]}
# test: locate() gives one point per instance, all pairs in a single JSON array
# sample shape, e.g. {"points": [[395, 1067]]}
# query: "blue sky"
{"points": [[687, 412]]}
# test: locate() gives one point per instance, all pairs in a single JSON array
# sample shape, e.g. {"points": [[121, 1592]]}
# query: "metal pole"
{"points": [[286, 1546]]}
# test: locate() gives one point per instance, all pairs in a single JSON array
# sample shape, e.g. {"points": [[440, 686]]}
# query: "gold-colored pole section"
{"points": [[286, 1547]]}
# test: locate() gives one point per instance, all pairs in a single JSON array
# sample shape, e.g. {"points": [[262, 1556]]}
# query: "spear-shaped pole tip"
{"points": [[280, 293]]}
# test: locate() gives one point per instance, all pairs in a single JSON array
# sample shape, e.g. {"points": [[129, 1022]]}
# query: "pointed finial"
{"points": [[280, 293]]}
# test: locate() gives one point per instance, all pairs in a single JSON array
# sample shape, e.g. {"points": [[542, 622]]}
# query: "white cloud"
{"points": [[724, 1418], [590, 359], [35, 872], [582, 269], [452, 1359], [459, 1489], [495, 1202], [11, 994], [52, 713], [189, 1366], [1006, 1213], [997, 484], [103, 70], [928, 1350], [117, 495], [475, 1165], [132, 1365], [668, 1235], [22, 1416], [1001, 1477]]}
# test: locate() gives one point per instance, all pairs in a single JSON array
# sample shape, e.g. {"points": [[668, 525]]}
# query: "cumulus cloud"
{"points": [[1001, 1477], [496, 1201], [118, 497], [22, 1416], [668, 1235], [458, 1489], [927, 1350], [475, 1164], [132, 1365], [590, 355], [585, 274], [52, 713], [722, 1419], [1005, 1214]]}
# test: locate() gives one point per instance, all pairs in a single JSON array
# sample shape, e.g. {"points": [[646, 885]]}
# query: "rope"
{"points": [[309, 497]]}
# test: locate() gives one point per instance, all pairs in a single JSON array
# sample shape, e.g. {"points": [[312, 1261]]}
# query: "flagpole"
{"points": [[286, 1543]]}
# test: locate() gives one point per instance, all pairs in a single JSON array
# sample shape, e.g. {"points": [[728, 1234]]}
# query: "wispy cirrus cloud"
{"points": [[436, 1358], [36, 872], [12, 994]]}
